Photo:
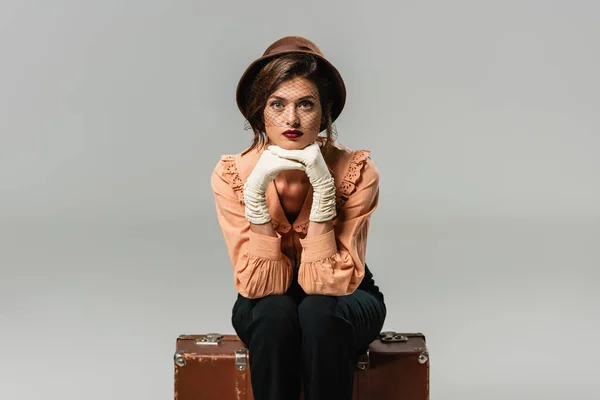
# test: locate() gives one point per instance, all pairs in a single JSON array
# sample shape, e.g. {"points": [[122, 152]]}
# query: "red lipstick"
{"points": [[292, 134]]}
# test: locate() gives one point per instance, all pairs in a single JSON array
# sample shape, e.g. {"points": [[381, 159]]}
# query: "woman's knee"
{"points": [[318, 315], [275, 316], [278, 306]]}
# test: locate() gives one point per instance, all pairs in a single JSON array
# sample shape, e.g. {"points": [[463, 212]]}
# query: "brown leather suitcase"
{"points": [[216, 367]]}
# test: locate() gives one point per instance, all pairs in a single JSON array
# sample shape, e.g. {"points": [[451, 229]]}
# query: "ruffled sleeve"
{"points": [[333, 263], [259, 267]]}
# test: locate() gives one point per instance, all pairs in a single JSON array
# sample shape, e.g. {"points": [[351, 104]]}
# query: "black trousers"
{"points": [[314, 339]]}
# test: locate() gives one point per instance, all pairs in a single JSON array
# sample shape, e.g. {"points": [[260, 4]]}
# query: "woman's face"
{"points": [[293, 114]]}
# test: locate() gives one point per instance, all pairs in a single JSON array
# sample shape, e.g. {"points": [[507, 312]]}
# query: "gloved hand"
{"points": [[323, 205], [265, 170]]}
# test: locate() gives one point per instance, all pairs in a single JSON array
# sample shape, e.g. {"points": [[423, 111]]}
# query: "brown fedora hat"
{"points": [[285, 45]]}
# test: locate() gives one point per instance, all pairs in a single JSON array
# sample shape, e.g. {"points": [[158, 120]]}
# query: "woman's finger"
{"points": [[292, 164], [287, 154]]}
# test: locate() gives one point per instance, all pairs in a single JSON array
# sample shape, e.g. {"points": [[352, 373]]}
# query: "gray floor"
{"points": [[93, 309]]}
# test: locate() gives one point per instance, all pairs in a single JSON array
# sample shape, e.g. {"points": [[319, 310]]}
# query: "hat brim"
{"points": [[339, 92]]}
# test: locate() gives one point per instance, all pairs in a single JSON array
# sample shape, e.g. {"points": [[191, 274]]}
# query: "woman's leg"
{"points": [[334, 330], [269, 328]]}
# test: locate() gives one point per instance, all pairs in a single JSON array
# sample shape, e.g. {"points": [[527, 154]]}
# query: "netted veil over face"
{"points": [[301, 104]]}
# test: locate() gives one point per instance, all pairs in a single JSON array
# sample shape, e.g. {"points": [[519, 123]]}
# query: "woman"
{"points": [[294, 209]]}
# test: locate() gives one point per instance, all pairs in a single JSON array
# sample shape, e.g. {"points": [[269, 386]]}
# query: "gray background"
{"points": [[482, 117]]}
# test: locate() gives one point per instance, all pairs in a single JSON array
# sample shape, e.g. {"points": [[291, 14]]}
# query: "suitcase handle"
{"points": [[392, 337], [210, 339]]}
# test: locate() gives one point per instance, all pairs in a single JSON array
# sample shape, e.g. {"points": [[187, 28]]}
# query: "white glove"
{"points": [[265, 170], [323, 205]]}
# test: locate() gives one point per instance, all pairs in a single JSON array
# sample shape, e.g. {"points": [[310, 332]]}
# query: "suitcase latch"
{"points": [[363, 361], [392, 337], [210, 339], [241, 356]]}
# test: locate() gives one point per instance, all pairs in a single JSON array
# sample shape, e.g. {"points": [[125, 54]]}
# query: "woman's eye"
{"points": [[275, 104], [306, 103]]}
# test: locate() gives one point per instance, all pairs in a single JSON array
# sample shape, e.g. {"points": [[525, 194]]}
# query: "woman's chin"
{"points": [[292, 144]]}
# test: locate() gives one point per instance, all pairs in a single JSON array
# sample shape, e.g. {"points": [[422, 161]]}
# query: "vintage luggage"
{"points": [[216, 367]]}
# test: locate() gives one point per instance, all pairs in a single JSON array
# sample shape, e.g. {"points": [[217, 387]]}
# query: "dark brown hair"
{"points": [[277, 71]]}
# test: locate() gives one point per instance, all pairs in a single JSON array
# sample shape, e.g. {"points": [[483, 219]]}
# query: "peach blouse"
{"points": [[331, 263]]}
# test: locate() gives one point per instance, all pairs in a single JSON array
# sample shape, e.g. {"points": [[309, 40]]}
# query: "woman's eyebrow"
{"points": [[310, 96]]}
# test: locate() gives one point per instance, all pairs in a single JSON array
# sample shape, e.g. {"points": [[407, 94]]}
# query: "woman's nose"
{"points": [[292, 115]]}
